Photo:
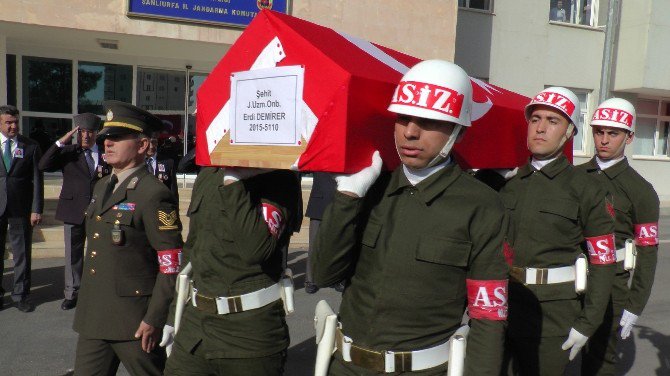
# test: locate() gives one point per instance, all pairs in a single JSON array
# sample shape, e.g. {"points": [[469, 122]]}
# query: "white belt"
{"points": [[224, 305], [620, 254], [400, 361], [544, 276]]}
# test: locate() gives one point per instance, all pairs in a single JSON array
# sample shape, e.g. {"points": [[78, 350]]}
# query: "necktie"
{"points": [[110, 188], [7, 154], [89, 161], [150, 165]]}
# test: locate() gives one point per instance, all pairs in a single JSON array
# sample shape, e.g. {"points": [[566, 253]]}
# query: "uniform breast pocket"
{"points": [[557, 218], [121, 217], [445, 260], [371, 234], [444, 251]]}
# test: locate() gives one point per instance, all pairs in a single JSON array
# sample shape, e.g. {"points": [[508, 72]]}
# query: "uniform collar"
{"points": [[611, 172], [551, 170], [428, 188], [125, 174]]}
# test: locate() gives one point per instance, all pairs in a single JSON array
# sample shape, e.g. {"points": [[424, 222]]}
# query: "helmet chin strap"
{"points": [[620, 151], [446, 149]]}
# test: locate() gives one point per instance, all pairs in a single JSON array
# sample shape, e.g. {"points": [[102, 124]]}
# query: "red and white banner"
{"points": [[487, 299], [602, 249], [646, 234], [348, 85], [169, 260]]}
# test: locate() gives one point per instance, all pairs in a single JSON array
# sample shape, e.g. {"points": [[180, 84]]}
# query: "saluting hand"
{"points": [[149, 335], [67, 138]]}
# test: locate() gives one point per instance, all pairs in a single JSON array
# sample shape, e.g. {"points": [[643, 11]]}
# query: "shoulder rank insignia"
{"points": [[133, 183], [168, 221]]}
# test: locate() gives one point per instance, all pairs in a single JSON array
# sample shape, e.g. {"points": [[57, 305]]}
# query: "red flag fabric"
{"points": [[348, 84]]}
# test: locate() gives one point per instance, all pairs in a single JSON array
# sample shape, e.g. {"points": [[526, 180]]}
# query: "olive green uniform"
{"points": [[407, 252], [233, 252], [636, 204], [123, 282], [552, 212]]}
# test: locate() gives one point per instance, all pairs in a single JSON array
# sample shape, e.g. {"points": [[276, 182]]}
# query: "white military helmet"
{"points": [[616, 113], [434, 89], [559, 98]]}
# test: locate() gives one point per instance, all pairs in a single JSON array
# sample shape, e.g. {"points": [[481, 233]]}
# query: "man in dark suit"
{"points": [[323, 190], [21, 200], [82, 166], [132, 260], [162, 168]]}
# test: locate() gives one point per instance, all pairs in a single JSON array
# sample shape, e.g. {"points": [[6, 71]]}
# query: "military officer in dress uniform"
{"points": [[82, 166], [636, 206], [558, 216], [422, 246], [162, 168], [132, 260], [234, 324]]}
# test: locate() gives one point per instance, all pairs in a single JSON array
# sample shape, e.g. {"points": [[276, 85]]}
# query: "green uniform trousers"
{"points": [[600, 355], [183, 363], [99, 357], [541, 356], [339, 367]]}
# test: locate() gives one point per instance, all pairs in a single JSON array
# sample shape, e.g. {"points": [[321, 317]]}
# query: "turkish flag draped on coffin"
{"points": [[340, 115]]}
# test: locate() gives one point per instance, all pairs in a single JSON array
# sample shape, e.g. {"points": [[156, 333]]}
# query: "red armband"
{"points": [[169, 260], [601, 249], [646, 234], [487, 299], [273, 218]]}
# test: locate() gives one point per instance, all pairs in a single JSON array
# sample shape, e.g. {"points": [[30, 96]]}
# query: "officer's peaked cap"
{"points": [[124, 118]]}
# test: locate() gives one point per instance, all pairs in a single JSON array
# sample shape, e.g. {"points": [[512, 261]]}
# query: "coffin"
{"points": [[293, 94]]}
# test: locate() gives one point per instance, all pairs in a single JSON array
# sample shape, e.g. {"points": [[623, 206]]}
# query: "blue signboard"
{"points": [[236, 13]]}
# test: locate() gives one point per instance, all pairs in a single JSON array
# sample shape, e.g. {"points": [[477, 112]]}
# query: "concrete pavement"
{"points": [[43, 343]]}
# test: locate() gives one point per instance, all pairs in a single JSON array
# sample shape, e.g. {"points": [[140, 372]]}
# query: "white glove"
{"points": [[628, 320], [168, 339], [576, 341], [506, 173], [360, 182], [241, 173]]}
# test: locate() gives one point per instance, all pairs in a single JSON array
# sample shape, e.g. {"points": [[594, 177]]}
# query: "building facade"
{"points": [[528, 45], [60, 58]]}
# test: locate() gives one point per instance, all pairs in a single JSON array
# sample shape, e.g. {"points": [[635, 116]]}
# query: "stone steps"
{"points": [[48, 236]]}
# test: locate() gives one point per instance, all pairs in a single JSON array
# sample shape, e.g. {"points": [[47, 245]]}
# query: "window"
{"points": [[195, 81], [579, 12], [194, 84], [98, 82], [45, 131], [160, 90], [578, 141], [47, 85], [11, 79], [652, 128], [476, 4]]}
